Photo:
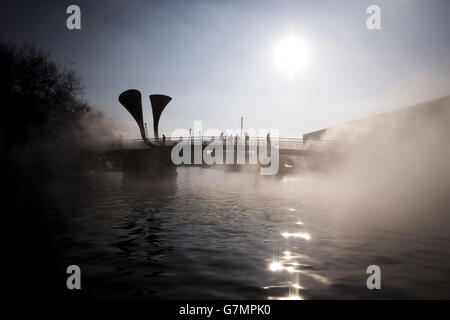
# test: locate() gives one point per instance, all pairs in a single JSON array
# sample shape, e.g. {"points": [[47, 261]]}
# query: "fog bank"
{"points": [[397, 171]]}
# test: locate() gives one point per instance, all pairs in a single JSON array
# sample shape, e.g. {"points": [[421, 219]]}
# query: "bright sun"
{"points": [[291, 54]]}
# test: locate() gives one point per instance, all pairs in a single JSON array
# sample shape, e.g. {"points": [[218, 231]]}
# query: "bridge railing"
{"points": [[280, 143]]}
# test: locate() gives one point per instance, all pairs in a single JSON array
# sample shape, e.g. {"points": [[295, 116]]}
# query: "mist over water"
{"points": [[219, 234], [398, 170], [80, 189], [214, 233]]}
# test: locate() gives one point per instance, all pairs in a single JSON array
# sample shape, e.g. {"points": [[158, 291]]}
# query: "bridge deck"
{"points": [[136, 154], [286, 146]]}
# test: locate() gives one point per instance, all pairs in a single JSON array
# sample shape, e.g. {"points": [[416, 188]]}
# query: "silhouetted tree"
{"points": [[42, 107], [34, 91]]}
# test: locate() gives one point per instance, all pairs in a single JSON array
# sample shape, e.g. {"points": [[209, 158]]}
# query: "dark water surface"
{"points": [[214, 234]]}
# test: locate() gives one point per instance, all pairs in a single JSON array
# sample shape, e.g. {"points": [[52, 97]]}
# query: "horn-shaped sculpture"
{"points": [[132, 101], [158, 102]]}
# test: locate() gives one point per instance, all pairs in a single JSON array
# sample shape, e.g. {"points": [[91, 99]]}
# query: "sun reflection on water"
{"points": [[293, 297], [286, 263], [276, 266], [303, 235], [287, 255]]}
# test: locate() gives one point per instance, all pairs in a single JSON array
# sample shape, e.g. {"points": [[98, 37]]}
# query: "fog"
{"points": [[396, 172]]}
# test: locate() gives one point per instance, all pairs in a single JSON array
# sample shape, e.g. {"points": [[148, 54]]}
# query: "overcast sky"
{"points": [[216, 58]]}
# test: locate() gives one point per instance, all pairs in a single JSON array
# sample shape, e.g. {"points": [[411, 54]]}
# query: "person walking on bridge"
{"points": [[247, 140]]}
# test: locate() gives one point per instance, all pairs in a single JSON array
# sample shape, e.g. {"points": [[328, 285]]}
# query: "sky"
{"points": [[217, 59]]}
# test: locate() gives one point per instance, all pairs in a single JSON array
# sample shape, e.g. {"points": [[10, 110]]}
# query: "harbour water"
{"points": [[213, 234]]}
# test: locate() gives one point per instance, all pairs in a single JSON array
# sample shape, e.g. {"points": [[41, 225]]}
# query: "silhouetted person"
{"points": [[269, 145], [164, 139]]}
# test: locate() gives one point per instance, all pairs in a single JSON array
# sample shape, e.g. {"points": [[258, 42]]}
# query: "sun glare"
{"points": [[291, 54]]}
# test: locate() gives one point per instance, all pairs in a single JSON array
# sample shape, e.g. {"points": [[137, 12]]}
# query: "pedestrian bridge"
{"points": [[155, 154], [137, 155]]}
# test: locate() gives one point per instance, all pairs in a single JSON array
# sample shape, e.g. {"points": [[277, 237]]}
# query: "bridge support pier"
{"points": [[154, 164]]}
